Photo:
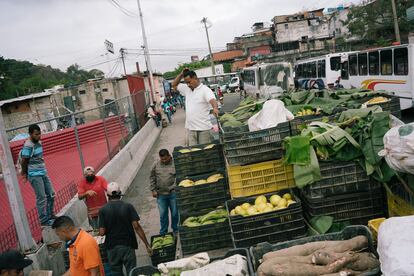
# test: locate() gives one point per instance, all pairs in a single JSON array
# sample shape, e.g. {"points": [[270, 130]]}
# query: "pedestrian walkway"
{"points": [[139, 193]]}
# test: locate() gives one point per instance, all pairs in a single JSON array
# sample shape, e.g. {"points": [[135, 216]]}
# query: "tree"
{"points": [[373, 21]]}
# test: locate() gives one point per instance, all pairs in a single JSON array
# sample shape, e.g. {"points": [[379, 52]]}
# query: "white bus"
{"points": [[318, 72], [268, 80], [387, 68]]}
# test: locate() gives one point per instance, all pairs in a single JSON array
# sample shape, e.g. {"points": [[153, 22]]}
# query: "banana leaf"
{"points": [[297, 150], [331, 135], [307, 174]]}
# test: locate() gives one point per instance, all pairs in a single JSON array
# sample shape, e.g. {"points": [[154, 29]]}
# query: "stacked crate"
{"points": [[254, 162], [200, 199], [164, 254], [400, 201], [345, 192]]}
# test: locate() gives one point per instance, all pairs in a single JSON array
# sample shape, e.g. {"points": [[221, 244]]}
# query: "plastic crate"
{"points": [[202, 196], [144, 270], [198, 162], [356, 208], [400, 202], [275, 226], [374, 225], [349, 232], [260, 178], [203, 238], [245, 147], [165, 254], [340, 178]]}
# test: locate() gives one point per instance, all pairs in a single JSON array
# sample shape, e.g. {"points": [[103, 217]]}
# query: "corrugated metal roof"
{"points": [[227, 55], [27, 97]]}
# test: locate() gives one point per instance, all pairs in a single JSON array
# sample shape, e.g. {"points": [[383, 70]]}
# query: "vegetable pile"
{"points": [[215, 216], [239, 117], [188, 150], [162, 242], [261, 205], [211, 179], [320, 258]]}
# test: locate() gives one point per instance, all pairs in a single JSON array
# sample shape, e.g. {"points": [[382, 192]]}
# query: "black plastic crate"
{"points": [[144, 270], [165, 254], [205, 237], [275, 226], [340, 178], [198, 162], [244, 147], [349, 232], [202, 196], [356, 208]]}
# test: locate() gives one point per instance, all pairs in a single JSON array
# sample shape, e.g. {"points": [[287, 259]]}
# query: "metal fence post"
{"points": [[78, 145], [24, 235], [107, 139], [136, 125]]}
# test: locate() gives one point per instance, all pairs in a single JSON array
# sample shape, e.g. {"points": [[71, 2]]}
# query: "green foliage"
{"points": [[18, 78], [192, 66], [374, 22]]}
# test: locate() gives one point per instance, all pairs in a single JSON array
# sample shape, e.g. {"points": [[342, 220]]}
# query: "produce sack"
{"points": [[235, 265], [395, 246], [190, 263], [272, 114], [399, 148]]}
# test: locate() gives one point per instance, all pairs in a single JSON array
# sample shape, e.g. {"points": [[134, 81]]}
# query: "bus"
{"points": [[268, 80], [386, 68], [318, 72]]}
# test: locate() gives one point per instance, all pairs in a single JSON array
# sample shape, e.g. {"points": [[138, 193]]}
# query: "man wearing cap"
{"points": [[119, 221], [92, 188], [84, 255], [12, 263]]}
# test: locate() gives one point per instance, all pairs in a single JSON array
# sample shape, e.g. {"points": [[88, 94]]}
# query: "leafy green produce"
{"points": [[162, 241], [297, 150]]}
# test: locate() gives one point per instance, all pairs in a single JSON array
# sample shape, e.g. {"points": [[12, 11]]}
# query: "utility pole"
{"points": [[396, 28], [204, 21], [146, 52], [122, 57], [14, 195]]}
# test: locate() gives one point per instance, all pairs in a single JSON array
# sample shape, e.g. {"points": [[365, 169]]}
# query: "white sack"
{"points": [[272, 114]]}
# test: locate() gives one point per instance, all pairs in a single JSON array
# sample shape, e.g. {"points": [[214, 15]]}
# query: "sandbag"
{"points": [[235, 265], [272, 114], [395, 246], [190, 263]]}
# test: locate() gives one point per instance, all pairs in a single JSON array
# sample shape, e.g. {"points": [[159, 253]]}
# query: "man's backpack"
{"points": [[20, 159]]}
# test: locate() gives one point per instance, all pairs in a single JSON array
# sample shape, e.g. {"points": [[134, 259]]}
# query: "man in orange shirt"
{"points": [[84, 256], [93, 188]]}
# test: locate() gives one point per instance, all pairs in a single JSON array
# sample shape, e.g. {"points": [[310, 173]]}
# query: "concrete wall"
{"points": [[122, 169]]}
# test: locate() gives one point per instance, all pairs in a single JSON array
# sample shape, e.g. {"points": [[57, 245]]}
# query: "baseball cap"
{"points": [[88, 169], [113, 188], [13, 259]]}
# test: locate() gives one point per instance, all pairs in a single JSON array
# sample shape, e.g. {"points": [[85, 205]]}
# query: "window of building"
{"points": [[386, 62], [401, 61], [321, 69], [353, 65], [286, 26], [363, 64], [373, 58], [82, 92], [104, 89], [344, 71]]}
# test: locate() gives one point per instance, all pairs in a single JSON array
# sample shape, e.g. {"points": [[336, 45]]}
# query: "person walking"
{"points": [[153, 114], [118, 222], [34, 170], [162, 184], [12, 263], [167, 108], [198, 99], [92, 189], [84, 255]]}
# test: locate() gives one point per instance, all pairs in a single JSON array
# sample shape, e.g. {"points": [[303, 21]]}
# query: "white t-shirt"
{"points": [[197, 106]]}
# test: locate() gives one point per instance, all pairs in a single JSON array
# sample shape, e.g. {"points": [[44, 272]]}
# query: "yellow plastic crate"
{"points": [[398, 206], [260, 178], [374, 225]]}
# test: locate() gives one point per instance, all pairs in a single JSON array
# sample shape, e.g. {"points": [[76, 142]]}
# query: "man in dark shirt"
{"points": [[119, 221]]}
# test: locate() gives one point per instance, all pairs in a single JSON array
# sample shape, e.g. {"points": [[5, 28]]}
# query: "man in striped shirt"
{"points": [[34, 170]]}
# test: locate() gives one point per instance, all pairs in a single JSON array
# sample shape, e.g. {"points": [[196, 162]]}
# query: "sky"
{"points": [[63, 32]]}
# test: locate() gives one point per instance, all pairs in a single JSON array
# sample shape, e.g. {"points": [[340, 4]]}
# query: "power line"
{"points": [[122, 9]]}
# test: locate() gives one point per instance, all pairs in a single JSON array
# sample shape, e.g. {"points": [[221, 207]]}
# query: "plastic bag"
{"points": [[399, 148], [395, 245], [272, 114], [190, 263], [235, 265]]}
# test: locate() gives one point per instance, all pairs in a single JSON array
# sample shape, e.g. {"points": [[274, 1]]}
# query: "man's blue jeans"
{"points": [[168, 113], [45, 196], [166, 202]]}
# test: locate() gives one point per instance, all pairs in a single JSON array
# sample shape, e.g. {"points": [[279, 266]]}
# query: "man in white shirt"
{"points": [[198, 99]]}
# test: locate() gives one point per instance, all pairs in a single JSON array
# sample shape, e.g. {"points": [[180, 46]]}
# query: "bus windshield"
{"points": [[335, 63]]}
